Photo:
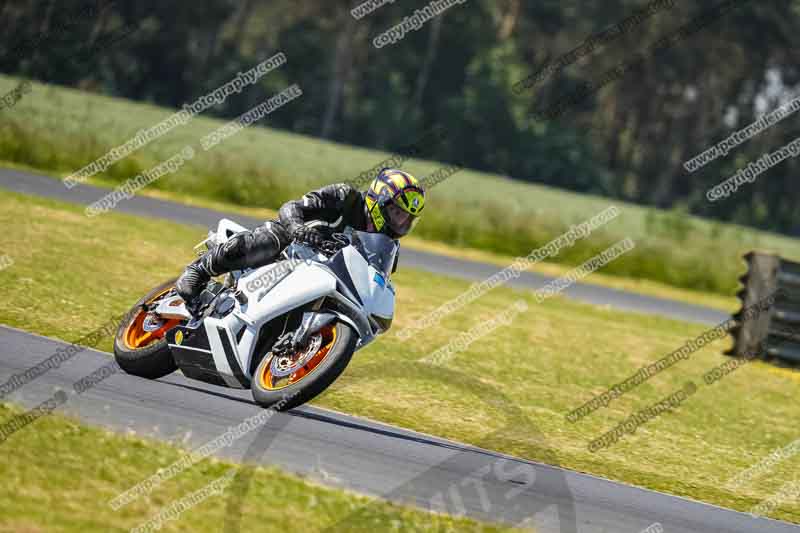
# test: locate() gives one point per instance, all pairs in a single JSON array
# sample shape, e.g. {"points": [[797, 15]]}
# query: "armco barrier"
{"points": [[775, 332]]}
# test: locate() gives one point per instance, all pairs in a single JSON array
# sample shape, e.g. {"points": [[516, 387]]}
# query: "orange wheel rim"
{"points": [[137, 335], [269, 382]]}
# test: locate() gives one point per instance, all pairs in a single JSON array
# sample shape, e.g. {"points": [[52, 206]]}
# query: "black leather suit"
{"points": [[329, 209]]}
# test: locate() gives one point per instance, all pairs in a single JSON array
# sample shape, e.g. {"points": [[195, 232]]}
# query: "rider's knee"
{"points": [[279, 234], [237, 246]]}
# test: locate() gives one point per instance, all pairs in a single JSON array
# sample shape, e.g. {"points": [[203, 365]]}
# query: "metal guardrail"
{"points": [[774, 333]]}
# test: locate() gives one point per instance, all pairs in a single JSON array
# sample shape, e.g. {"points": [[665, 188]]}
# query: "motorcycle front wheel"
{"points": [[291, 380]]}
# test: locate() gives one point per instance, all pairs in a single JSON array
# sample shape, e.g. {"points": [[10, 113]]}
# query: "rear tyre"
{"points": [[309, 381], [136, 352]]}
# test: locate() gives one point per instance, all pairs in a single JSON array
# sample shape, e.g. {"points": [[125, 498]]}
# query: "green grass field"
{"points": [[60, 476], [508, 391], [61, 130]]}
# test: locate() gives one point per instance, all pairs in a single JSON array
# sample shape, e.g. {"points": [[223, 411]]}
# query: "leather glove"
{"points": [[308, 235]]}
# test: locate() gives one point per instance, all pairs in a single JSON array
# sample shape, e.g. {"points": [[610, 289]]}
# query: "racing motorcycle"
{"points": [[286, 330]]}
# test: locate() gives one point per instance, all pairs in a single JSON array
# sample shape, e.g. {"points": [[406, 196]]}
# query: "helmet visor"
{"points": [[401, 222]]}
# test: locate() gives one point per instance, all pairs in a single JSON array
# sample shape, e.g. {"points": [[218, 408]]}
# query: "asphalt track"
{"points": [[360, 455], [149, 207]]}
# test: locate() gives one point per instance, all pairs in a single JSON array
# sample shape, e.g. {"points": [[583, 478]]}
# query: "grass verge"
{"points": [[60, 475], [509, 390]]}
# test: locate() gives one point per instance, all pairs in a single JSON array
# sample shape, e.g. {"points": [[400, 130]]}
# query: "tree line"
{"points": [[647, 86]]}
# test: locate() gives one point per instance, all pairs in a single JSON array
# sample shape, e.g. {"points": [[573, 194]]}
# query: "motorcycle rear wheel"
{"points": [[141, 350]]}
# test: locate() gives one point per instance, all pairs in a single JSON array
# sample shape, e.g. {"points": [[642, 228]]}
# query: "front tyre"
{"points": [[289, 381], [140, 346]]}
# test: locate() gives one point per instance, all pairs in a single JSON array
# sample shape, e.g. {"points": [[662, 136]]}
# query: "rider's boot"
{"points": [[194, 279]]}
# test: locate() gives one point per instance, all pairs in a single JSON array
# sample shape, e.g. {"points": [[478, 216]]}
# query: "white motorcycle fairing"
{"points": [[223, 347]]}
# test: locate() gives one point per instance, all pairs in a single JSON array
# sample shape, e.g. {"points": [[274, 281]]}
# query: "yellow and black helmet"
{"points": [[395, 200]]}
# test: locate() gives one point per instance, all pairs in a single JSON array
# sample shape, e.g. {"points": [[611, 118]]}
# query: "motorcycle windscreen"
{"points": [[368, 284], [377, 249]]}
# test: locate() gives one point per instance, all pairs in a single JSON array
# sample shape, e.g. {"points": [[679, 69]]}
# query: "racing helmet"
{"points": [[394, 201]]}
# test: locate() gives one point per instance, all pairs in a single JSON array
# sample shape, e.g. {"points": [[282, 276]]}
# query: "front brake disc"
{"points": [[286, 365]]}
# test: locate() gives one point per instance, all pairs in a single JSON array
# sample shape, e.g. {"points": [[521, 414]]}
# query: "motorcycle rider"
{"points": [[391, 205]]}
